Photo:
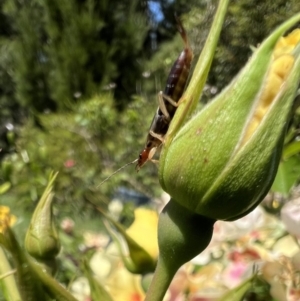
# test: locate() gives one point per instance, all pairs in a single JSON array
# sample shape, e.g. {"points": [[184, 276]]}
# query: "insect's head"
{"points": [[143, 158]]}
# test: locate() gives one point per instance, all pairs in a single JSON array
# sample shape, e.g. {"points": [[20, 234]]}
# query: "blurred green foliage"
{"points": [[67, 49], [81, 147], [289, 168]]}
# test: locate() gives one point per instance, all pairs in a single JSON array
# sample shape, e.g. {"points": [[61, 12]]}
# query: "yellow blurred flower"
{"points": [[125, 286], [283, 277], [6, 219], [144, 230]]}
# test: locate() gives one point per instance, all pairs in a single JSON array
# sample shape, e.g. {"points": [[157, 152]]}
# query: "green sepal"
{"points": [[29, 285], [41, 240], [239, 292], [50, 285], [205, 168], [98, 292], [8, 285], [139, 260], [287, 175], [4, 187]]}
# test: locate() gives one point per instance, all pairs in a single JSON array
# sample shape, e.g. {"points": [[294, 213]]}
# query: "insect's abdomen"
{"points": [[177, 79], [174, 89]]}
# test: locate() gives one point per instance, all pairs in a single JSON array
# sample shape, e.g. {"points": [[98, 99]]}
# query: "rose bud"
{"points": [[223, 161], [42, 240]]}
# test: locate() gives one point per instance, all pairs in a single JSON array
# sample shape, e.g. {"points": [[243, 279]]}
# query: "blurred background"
{"points": [[78, 89]]}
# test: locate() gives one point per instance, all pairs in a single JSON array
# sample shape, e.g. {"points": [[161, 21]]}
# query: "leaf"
{"points": [[98, 292], [287, 175], [30, 287], [4, 187], [139, 261], [291, 150], [238, 293], [8, 284]]}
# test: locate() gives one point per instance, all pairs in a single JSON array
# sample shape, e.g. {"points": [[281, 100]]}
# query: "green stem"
{"points": [[181, 236], [29, 286], [50, 285], [160, 282], [9, 285]]}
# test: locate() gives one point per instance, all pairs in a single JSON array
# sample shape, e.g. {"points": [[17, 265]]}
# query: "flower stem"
{"points": [[9, 287], [181, 236], [161, 281]]}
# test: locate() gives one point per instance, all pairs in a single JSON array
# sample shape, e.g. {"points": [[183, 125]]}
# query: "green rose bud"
{"points": [[182, 234], [223, 161], [41, 240]]}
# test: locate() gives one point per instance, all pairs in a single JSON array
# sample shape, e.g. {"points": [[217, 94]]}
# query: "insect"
{"points": [[168, 101]]}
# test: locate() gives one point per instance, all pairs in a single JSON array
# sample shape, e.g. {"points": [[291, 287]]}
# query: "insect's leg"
{"points": [[171, 132], [157, 136], [170, 100], [162, 105], [152, 153]]}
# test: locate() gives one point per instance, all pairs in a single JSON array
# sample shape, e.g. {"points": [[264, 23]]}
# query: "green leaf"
{"points": [[237, 293], [50, 285], [287, 175], [8, 283], [291, 149], [4, 187], [139, 261], [29, 285], [98, 292], [42, 241]]}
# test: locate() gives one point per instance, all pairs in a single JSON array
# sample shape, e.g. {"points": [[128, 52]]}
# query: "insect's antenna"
{"points": [[182, 31], [134, 161]]}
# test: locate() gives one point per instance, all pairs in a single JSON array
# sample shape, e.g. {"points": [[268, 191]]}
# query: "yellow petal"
{"points": [[288, 43], [281, 65], [6, 219], [124, 286], [144, 230]]}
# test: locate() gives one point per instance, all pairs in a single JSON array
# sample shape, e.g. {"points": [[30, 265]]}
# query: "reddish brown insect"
{"points": [[168, 101]]}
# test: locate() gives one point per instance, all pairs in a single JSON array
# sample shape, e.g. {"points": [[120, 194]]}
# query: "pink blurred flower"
{"points": [[235, 273], [290, 216], [232, 231], [69, 163], [202, 285], [95, 240], [178, 285], [245, 255], [225, 231], [207, 296], [293, 294], [284, 278], [67, 225]]}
